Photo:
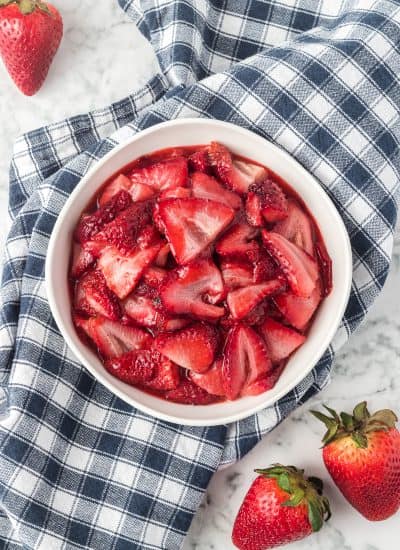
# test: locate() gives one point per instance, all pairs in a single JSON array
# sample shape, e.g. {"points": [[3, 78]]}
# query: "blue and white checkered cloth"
{"points": [[78, 467]]}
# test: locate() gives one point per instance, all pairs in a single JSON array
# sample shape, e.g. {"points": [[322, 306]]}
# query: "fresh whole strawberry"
{"points": [[362, 454], [30, 34], [281, 506]]}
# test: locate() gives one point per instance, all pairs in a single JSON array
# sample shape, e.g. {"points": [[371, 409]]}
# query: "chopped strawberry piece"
{"points": [[191, 225], [237, 175], [90, 224], [175, 193], [167, 373], [265, 268], [296, 310], [93, 297], [198, 161], [300, 269], [122, 272], [245, 360], [141, 192], [253, 210], [112, 338], [186, 288], [81, 261], [123, 231], [162, 175], [189, 393], [207, 187], [192, 348], [264, 383], [242, 300], [212, 380], [149, 236], [162, 257], [120, 183], [236, 273], [281, 340], [171, 324], [153, 276], [142, 310], [133, 367], [297, 228], [237, 242]]}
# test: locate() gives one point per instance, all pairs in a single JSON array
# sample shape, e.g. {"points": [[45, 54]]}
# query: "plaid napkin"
{"points": [[78, 467]]}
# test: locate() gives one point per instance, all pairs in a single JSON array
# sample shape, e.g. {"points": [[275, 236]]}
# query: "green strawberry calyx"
{"points": [[301, 490], [27, 6], [357, 425]]}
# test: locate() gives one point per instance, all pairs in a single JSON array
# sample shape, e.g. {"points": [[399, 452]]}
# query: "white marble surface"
{"points": [[103, 58]]}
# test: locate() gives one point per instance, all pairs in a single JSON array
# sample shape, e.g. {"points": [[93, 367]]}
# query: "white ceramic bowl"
{"points": [[243, 142]]}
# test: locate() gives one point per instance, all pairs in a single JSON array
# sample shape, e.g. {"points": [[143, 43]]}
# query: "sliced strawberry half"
{"points": [[238, 242], [124, 230], [142, 310], [186, 289], [167, 375], [296, 310], [82, 260], [237, 175], [264, 383], [191, 225], [211, 381], [198, 161], [207, 187], [297, 228], [112, 338], [242, 300], [189, 393], [281, 340], [300, 269], [93, 297], [162, 175], [134, 367], [266, 201], [265, 268], [192, 348], [245, 360], [90, 224], [119, 183], [122, 272], [236, 273]]}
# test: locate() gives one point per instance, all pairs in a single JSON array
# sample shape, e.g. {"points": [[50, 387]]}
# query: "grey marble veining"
{"points": [[103, 58]]}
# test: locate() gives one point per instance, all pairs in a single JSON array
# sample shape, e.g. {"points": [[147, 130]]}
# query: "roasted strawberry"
{"points": [[281, 506], [111, 338], [300, 269], [325, 267], [245, 360], [297, 228], [362, 454], [193, 289], [191, 225], [167, 376], [198, 161], [81, 261], [236, 273], [207, 187], [93, 297], [238, 242], [296, 310], [90, 224], [133, 367], [265, 268], [189, 393], [242, 300], [122, 272], [266, 201], [162, 175], [265, 383], [154, 276], [211, 380], [236, 175], [124, 230], [192, 348], [281, 340], [142, 310], [175, 193]]}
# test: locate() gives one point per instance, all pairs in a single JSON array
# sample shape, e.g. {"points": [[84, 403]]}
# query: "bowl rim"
{"points": [[51, 291]]}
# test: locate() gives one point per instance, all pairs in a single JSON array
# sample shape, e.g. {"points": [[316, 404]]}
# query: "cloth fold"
{"points": [[78, 467]]}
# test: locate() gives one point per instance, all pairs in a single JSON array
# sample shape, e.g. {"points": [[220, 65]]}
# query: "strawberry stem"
{"points": [[27, 7], [301, 490], [356, 425]]}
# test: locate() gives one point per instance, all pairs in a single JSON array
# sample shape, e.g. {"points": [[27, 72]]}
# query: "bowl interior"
{"points": [[243, 142]]}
